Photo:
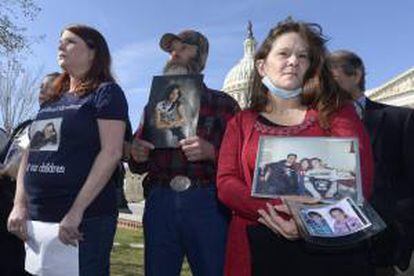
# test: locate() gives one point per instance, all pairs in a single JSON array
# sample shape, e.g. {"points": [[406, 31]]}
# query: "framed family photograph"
{"points": [[173, 107], [321, 167]]}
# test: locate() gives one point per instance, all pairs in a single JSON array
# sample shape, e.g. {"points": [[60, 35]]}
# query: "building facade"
{"points": [[399, 91]]}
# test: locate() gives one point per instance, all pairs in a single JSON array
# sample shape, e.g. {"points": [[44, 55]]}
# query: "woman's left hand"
{"points": [[280, 226], [69, 228]]}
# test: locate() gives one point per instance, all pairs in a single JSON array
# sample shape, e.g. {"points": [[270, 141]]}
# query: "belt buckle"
{"points": [[180, 183]]}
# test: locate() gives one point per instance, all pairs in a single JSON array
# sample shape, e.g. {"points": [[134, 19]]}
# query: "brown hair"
{"points": [[349, 62], [319, 89], [100, 70]]}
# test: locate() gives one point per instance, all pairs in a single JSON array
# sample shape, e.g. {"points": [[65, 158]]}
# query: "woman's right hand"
{"points": [[16, 223], [280, 226], [140, 150]]}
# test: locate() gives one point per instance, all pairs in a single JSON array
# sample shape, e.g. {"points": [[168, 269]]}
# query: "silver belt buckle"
{"points": [[180, 183]]}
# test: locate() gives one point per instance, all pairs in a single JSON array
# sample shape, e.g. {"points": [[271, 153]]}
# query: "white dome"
{"points": [[239, 78]]}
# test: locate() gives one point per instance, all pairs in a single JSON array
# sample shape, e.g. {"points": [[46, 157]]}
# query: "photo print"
{"points": [[173, 108], [45, 135], [321, 167], [334, 220]]}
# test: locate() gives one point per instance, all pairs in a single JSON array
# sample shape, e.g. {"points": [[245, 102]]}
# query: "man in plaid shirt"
{"points": [[182, 214]]}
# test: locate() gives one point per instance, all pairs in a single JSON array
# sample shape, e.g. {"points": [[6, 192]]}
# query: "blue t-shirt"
{"points": [[63, 146]]}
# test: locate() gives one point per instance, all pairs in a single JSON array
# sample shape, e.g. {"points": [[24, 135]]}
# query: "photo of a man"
{"points": [[279, 177]]}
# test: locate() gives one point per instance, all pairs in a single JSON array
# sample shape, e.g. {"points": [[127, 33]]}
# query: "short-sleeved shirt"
{"points": [[65, 142]]}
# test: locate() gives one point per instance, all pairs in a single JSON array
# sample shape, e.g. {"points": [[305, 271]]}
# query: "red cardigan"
{"points": [[236, 164]]}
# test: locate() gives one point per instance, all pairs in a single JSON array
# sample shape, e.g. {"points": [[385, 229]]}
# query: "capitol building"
{"points": [[239, 79], [398, 91]]}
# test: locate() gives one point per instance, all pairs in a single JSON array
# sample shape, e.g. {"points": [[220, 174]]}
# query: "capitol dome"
{"points": [[239, 79]]}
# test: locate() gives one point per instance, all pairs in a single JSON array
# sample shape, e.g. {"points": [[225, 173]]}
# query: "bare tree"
{"points": [[18, 94], [14, 14]]}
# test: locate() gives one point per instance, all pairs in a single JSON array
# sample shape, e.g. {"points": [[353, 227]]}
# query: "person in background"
{"points": [[293, 94], [90, 114], [46, 87], [391, 130], [12, 248], [182, 215]]}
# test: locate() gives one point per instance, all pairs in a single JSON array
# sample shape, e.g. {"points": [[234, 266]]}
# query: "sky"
{"points": [[381, 32]]}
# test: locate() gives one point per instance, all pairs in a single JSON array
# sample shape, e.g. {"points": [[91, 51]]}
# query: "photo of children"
{"points": [[344, 223], [334, 220], [325, 168], [318, 226], [173, 109]]}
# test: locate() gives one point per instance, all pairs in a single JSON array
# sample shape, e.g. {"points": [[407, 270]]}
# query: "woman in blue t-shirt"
{"points": [[70, 181]]}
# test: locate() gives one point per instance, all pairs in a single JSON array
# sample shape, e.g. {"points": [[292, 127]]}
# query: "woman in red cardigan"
{"points": [[293, 94]]}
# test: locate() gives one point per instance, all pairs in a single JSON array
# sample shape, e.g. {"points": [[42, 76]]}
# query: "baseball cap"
{"points": [[189, 37]]}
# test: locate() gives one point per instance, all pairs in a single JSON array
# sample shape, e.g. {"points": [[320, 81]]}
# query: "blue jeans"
{"points": [[191, 223], [95, 249]]}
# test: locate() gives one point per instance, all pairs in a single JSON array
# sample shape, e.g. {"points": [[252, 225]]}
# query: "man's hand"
{"points": [[140, 150], [197, 149]]}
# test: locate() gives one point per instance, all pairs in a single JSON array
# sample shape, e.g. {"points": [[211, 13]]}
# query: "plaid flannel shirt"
{"points": [[216, 109]]}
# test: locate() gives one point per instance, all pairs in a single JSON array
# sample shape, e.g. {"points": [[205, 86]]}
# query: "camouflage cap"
{"points": [[189, 37]]}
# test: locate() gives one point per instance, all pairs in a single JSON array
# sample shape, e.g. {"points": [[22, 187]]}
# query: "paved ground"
{"points": [[137, 211]]}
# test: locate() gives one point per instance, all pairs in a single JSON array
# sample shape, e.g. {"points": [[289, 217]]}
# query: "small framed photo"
{"points": [[322, 167], [334, 220], [173, 108]]}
